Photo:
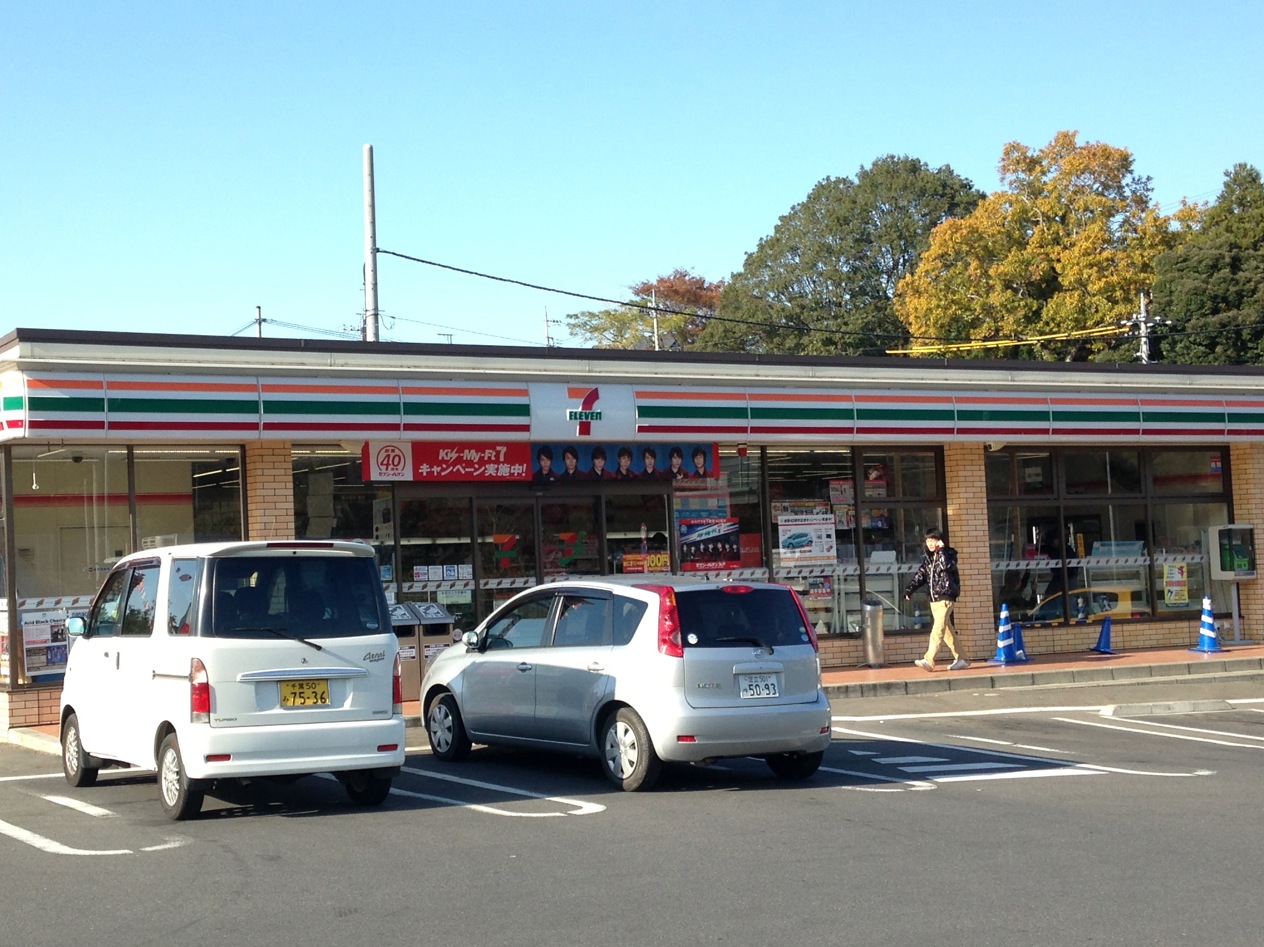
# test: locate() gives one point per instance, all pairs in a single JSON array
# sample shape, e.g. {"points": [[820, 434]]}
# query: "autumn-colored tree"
{"points": [[1211, 288], [1064, 247], [664, 313], [823, 281]]}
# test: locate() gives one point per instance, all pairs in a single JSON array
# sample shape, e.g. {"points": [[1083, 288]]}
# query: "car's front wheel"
{"points": [[367, 789], [446, 730], [75, 763], [627, 753], [181, 798], [794, 765]]}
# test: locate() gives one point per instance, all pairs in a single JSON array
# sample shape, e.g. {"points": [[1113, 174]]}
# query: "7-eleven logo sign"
{"points": [[586, 413]]}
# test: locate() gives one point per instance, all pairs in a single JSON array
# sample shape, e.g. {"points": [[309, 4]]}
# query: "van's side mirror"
{"points": [[75, 627]]}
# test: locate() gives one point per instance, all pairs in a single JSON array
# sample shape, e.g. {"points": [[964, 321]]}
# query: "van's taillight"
{"points": [[668, 621], [397, 687], [807, 622], [199, 693]]}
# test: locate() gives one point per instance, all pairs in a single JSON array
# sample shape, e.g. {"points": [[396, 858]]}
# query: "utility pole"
{"points": [[1144, 353], [654, 306], [259, 321], [370, 250]]}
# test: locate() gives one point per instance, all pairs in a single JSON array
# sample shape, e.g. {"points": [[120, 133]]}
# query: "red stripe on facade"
{"points": [[59, 425], [690, 429], [799, 429], [463, 428], [116, 425], [353, 426]]}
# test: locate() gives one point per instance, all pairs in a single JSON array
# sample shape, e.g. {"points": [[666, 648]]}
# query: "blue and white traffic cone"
{"points": [[1103, 639], [1207, 641], [1006, 653], [1020, 649]]}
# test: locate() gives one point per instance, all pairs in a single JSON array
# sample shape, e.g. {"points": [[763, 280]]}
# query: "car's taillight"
{"points": [[807, 622], [668, 621], [199, 692], [397, 687]]}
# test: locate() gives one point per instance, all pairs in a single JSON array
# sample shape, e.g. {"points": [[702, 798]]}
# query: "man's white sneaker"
{"points": [[959, 665], [924, 664]]}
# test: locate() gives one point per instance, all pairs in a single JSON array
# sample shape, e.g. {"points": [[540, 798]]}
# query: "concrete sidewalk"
{"points": [[1086, 668]]}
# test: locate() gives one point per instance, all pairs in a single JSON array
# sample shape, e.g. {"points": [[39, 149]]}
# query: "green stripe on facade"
{"points": [[1099, 417], [42, 405], [330, 407], [920, 415], [802, 414], [447, 409], [13, 403], [645, 412], [1036, 415], [1184, 417], [189, 406]]}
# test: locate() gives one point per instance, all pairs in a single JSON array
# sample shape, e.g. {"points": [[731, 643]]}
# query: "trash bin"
{"points": [[414, 622], [871, 632]]}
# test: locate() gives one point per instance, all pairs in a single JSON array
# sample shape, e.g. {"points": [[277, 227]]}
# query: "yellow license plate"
{"points": [[304, 693]]}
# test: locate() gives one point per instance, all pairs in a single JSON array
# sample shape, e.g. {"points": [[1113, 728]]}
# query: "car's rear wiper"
{"points": [[280, 633], [750, 639]]}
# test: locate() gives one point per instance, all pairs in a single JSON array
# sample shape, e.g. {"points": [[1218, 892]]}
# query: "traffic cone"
{"points": [[1006, 653], [1207, 642], [1103, 639], [1020, 649]]}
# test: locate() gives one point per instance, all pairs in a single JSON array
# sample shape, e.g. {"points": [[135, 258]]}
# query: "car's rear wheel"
{"points": [[627, 753], [75, 763], [366, 789], [446, 730], [181, 798], [794, 765]]}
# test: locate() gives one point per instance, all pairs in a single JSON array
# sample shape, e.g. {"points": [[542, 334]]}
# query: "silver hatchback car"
{"points": [[637, 673]]}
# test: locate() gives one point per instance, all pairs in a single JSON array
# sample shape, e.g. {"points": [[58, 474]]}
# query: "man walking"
{"points": [[938, 572]]}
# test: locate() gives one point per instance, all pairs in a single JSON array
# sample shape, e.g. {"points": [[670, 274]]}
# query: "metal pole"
{"points": [[370, 250], [259, 321], [1145, 333]]}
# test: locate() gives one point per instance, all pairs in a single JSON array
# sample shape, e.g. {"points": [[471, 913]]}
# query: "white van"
{"points": [[236, 660]]}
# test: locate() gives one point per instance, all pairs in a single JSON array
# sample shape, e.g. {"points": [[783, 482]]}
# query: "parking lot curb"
{"points": [[1164, 707]]}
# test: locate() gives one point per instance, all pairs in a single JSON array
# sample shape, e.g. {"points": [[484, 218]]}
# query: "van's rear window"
{"points": [[304, 596], [714, 618]]}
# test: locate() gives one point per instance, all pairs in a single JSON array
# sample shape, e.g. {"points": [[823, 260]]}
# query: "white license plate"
{"points": [[757, 685]]}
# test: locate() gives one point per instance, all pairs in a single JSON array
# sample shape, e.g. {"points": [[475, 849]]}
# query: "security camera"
{"points": [[77, 458], [995, 445]]}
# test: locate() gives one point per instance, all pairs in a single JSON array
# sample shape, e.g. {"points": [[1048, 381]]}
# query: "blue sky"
{"points": [[169, 166]]}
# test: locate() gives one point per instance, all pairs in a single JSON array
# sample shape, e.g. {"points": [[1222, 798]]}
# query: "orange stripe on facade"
{"points": [[63, 383], [765, 396], [896, 398], [1095, 402], [466, 392], [690, 396], [1001, 400], [330, 389], [234, 387]]}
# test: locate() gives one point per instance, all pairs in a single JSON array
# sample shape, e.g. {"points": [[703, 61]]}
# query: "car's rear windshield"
{"points": [[724, 617], [304, 596]]}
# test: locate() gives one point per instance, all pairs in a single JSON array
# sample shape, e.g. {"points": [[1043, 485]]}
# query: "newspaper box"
{"points": [[423, 628]]}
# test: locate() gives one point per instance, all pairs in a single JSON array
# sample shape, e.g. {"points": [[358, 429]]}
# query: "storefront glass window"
{"points": [[332, 501], [1187, 472], [436, 553], [506, 549], [71, 517], [1102, 472], [187, 494], [1136, 552], [849, 527]]}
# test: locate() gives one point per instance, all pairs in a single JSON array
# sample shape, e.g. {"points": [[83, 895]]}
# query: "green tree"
{"points": [[1212, 286], [1064, 247], [824, 280], [675, 306]]}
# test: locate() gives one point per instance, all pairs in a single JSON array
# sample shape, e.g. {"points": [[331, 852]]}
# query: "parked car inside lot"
{"points": [[232, 661], [1097, 603], [636, 673]]}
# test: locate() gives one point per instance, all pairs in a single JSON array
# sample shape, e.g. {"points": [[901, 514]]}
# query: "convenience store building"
{"points": [[1071, 491]]}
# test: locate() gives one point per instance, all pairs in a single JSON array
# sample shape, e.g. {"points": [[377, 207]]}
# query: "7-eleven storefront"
{"points": [[1071, 491]]}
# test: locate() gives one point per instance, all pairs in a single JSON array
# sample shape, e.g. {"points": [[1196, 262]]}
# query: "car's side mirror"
{"points": [[76, 627], [470, 640]]}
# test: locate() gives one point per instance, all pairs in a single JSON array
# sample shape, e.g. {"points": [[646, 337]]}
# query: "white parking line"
{"points": [[1214, 733], [18, 779], [959, 767], [1153, 733], [580, 807], [1017, 746], [51, 847], [84, 807]]}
